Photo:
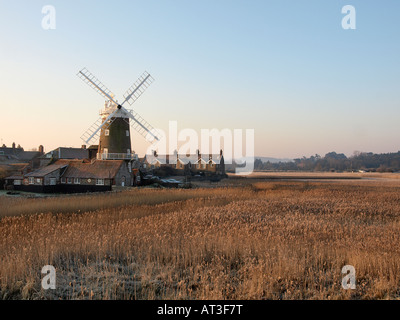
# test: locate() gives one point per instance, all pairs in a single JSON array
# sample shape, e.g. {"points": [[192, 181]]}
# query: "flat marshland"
{"points": [[258, 239]]}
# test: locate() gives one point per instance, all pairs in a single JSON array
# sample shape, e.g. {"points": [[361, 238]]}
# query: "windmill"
{"points": [[113, 127]]}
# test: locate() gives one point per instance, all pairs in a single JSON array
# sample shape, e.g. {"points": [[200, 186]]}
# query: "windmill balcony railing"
{"points": [[117, 156]]}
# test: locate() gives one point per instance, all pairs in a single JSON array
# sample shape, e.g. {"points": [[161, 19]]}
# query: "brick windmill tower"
{"points": [[113, 127]]}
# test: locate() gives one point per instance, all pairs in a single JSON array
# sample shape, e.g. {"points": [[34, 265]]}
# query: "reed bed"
{"points": [[268, 240], [73, 203]]}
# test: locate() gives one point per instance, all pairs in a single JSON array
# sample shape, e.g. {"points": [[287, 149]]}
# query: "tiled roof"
{"points": [[192, 158], [73, 153], [18, 154], [185, 159], [152, 159], [67, 153], [14, 177], [11, 151], [216, 158], [8, 158], [99, 169], [45, 170], [28, 155]]}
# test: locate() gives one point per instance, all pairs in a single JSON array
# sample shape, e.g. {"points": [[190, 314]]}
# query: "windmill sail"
{"points": [[136, 90], [93, 133], [95, 84], [143, 127]]}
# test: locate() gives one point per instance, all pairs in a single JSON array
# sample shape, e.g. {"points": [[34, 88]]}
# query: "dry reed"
{"points": [[269, 240]]}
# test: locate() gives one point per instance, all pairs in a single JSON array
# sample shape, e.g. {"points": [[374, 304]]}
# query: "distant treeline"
{"points": [[332, 161]]}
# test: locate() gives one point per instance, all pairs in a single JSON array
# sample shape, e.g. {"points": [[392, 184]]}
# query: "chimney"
{"points": [[198, 154], [41, 149], [84, 146], [220, 152], [13, 145]]}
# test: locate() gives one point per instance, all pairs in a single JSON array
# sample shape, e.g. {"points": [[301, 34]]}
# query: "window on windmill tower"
{"points": [[127, 133], [107, 132]]}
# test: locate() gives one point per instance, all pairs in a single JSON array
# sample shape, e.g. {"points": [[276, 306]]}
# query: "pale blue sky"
{"points": [[284, 68]]}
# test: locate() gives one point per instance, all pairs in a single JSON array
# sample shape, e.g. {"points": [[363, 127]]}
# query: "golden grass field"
{"points": [[250, 239]]}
